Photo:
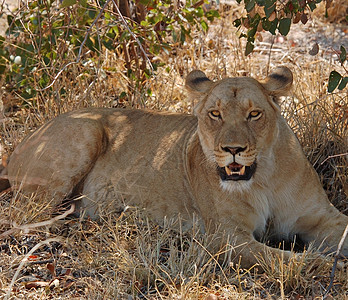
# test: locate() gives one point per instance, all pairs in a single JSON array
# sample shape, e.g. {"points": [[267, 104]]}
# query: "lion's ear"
{"points": [[197, 85], [279, 82], [197, 82]]}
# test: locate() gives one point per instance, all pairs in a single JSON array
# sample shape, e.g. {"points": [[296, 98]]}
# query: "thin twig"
{"points": [[333, 156], [39, 224], [25, 260], [85, 39], [332, 275], [269, 55], [134, 36], [80, 48]]}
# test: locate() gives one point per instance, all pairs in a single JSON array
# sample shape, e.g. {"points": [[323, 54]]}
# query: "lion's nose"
{"points": [[234, 150]]}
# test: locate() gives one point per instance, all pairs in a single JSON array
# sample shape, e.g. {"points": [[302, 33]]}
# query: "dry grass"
{"points": [[336, 11], [127, 256]]}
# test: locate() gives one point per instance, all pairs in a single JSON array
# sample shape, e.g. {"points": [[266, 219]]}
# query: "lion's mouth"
{"points": [[236, 172]]}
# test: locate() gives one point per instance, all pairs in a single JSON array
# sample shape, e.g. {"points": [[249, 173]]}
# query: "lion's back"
{"points": [[145, 163], [137, 156]]}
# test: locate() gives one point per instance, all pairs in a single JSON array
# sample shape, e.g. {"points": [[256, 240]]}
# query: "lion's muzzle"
{"points": [[235, 171], [236, 163]]}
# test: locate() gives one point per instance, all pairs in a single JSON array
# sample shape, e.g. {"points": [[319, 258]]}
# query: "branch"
{"points": [[134, 36], [39, 224], [24, 260], [85, 39], [80, 48], [332, 275], [333, 156]]}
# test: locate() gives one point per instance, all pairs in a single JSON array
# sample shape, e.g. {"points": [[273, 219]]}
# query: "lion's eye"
{"points": [[215, 114], [254, 115]]}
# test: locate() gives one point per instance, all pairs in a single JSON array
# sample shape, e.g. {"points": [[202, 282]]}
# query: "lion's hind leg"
{"points": [[56, 158]]}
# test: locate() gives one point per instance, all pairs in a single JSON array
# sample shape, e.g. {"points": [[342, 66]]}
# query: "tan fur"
{"points": [[167, 164]]}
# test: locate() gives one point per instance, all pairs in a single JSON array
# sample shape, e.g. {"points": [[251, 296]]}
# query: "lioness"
{"points": [[235, 164]]}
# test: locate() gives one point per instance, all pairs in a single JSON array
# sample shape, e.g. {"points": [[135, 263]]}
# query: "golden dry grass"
{"points": [[129, 257]]}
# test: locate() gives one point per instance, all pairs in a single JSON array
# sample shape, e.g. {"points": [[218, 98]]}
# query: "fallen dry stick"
{"points": [[332, 275], [24, 260], [28, 227]]}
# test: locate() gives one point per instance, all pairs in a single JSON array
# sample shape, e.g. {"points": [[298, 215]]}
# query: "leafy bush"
{"points": [[277, 16], [47, 36], [335, 78]]}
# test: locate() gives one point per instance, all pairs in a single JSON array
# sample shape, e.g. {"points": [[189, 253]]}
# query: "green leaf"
{"points": [[334, 80], [343, 55], [249, 5], [284, 26], [251, 33], [174, 36], [212, 14], [343, 83], [199, 12], [81, 12], [182, 36], [108, 44], [2, 65], [90, 44], [249, 48], [92, 13], [123, 95], [269, 3], [46, 61], [274, 25], [269, 10], [9, 20], [204, 26], [115, 30], [156, 48], [266, 24], [67, 3], [312, 5], [237, 22]]}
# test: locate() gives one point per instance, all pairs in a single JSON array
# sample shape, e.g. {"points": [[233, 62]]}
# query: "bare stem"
{"points": [[36, 225], [80, 48], [24, 260], [334, 266]]}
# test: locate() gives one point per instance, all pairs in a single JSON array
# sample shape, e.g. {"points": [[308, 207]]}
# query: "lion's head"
{"points": [[238, 123]]}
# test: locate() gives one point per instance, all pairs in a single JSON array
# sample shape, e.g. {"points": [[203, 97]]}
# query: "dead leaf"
{"points": [[54, 283], [314, 50], [297, 18], [52, 269], [33, 258], [67, 285], [68, 272], [304, 19], [35, 284], [328, 4], [272, 16]]}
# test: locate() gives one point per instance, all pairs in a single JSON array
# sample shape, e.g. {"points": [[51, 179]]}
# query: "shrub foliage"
{"points": [[44, 36]]}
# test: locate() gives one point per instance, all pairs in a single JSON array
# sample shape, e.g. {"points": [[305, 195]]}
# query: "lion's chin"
{"points": [[236, 172]]}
